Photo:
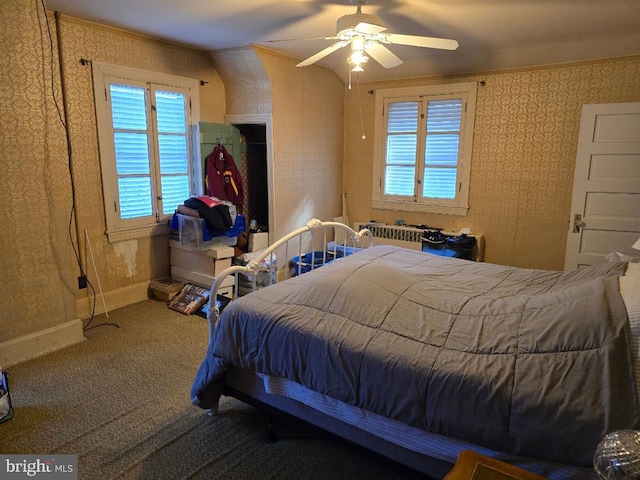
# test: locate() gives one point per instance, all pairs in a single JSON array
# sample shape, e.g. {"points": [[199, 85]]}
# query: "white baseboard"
{"points": [[113, 299], [36, 344], [48, 340]]}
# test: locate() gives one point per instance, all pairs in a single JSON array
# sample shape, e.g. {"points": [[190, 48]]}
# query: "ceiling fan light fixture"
{"points": [[357, 57], [366, 35], [357, 62], [357, 44]]}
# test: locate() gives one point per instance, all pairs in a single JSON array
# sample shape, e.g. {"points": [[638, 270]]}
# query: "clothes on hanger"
{"points": [[222, 177]]}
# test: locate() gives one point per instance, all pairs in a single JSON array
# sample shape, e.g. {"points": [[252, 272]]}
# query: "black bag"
{"points": [[434, 239], [218, 217], [438, 243]]}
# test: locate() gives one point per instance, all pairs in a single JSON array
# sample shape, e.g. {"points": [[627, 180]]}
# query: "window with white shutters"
{"points": [[422, 155], [148, 163]]}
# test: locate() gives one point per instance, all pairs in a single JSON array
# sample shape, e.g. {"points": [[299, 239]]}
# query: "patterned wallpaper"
{"points": [[35, 188], [134, 261], [525, 142], [36, 258], [307, 110], [248, 89]]}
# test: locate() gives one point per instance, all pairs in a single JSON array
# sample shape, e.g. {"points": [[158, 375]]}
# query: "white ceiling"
{"points": [[493, 34]]}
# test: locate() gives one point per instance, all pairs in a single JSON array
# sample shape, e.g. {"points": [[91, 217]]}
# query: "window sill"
{"points": [[458, 210], [148, 231]]}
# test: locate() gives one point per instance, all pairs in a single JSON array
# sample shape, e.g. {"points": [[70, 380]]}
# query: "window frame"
{"points": [[104, 75], [460, 204]]}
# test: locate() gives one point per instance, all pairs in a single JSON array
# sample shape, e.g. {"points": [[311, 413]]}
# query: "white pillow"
{"points": [[630, 291]]}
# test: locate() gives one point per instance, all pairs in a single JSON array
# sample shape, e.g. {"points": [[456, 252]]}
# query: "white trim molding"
{"points": [[113, 299], [458, 205], [39, 343]]}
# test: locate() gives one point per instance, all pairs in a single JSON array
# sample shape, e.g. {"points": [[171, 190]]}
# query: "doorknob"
{"points": [[578, 223]]}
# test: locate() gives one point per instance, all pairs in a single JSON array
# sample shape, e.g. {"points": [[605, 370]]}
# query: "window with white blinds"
{"points": [[147, 158], [422, 155]]}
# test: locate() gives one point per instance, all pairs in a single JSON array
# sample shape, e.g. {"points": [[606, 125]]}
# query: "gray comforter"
{"points": [[528, 362]]}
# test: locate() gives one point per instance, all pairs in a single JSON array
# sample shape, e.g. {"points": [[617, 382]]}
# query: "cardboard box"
{"points": [[217, 252], [209, 262], [202, 279], [258, 241], [165, 288], [200, 267]]}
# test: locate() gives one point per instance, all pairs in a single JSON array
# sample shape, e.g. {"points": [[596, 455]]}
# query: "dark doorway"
{"points": [[254, 171]]}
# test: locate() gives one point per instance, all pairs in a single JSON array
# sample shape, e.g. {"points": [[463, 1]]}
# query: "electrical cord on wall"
{"points": [[62, 118]]}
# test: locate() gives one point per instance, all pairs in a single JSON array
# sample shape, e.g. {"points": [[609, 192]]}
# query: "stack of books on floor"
{"points": [[185, 298], [189, 299], [164, 289]]}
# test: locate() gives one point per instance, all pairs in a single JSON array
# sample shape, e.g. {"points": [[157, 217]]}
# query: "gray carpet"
{"points": [[120, 401]]}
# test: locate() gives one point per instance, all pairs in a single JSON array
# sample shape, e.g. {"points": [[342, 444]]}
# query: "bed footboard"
{"points": [[303, 250]]}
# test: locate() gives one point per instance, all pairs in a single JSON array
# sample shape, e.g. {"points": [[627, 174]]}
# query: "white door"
{"points": [[605, 207]]}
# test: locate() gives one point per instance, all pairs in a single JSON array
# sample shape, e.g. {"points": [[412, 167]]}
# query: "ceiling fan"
{"points": [[366, 35]]}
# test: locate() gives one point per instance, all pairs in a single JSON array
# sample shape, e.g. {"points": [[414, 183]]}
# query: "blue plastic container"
{"points": [[239, 226], [340, 250], [305, 263]]}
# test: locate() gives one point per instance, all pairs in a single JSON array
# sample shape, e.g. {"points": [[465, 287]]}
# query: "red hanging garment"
{"points": [[222, 177]]}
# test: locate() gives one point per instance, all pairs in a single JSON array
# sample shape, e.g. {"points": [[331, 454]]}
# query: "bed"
{"points": [[418, 357]]}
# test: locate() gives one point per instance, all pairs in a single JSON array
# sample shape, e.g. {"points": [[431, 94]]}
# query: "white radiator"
{"points": [[409, 237]]}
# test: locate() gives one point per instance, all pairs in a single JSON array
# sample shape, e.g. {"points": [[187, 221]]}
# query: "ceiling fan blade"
{"points": [[416, 41], [333, 37], [382, 55], [322, 53], [369, 28]]}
